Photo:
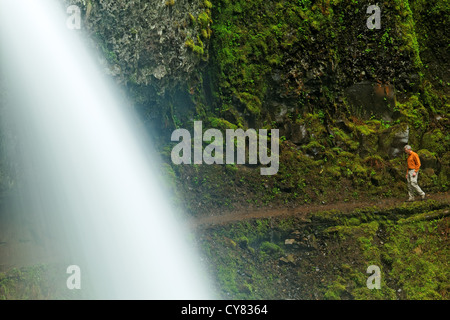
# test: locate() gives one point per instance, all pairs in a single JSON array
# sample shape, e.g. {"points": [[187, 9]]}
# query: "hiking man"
{"points": [[412, 173]]}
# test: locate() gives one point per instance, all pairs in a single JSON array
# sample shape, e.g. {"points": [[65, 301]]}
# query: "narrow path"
{"points": [[23, 242], [301, 211]]}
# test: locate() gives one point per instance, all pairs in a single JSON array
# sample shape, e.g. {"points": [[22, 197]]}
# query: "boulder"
{"points": [[393, 140], [289, 241], [367, 99], [298, 133], [428, 160], [289, 259]]}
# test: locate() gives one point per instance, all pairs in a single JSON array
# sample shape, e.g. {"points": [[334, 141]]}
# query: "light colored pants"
{"points": [[413, 187]]}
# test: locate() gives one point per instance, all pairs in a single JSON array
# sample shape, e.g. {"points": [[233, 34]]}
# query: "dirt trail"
{"points": [[24, 242], [300, 211]]}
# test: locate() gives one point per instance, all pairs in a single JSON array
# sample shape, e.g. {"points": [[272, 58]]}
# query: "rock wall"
{"points": [[147, 42], [343, 96]]}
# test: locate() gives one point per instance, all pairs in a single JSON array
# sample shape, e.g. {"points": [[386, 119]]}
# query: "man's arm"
{"points": [[417, 162]]}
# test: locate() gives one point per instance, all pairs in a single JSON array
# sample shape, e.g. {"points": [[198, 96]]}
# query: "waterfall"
{"points": [[88, 176]]}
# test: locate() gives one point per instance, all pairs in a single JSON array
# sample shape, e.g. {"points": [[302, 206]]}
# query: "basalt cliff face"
{"points": [[152, 48], [345, 97]]}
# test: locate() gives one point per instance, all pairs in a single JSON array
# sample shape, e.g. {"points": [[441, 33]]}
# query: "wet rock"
{"points": [[296, 234], [289, 259], [428, 160], [313, 242], [434, 140], [289, 241], [343, 125], [146, 42], [369, 99], [281, 113], [393, 140], [230, 243], [299, 134], [401, 138]]}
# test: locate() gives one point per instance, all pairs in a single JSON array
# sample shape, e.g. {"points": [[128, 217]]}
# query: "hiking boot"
{"points": [[410, 200], [423, 197]]}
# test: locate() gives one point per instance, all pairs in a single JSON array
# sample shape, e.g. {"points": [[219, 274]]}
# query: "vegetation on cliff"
{"points": [[345, 98]]}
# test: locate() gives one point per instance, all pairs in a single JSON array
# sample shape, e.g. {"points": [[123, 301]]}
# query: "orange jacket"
{"points": [[413, 161]]}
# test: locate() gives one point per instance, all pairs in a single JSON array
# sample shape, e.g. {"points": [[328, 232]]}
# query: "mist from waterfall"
{"points": [[87, 173]]}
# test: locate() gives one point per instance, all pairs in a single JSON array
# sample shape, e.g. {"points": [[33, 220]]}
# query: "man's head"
{"points": [[407, 149]]}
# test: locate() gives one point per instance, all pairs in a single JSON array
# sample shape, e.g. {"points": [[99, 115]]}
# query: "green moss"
{"points": [[207, 4], [197, 48], [436, 141], [251, 102], [271, 248], [221, 124], [428, 215], [192, 18], [204, 19], [333, 171], [414, 264], [345, 140], [406, 22], [414, 112], [336, 289], [358, 170], [243, 242]]}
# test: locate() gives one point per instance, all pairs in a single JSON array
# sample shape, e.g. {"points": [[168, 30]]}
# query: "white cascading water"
{"points": [[86, 174]]}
